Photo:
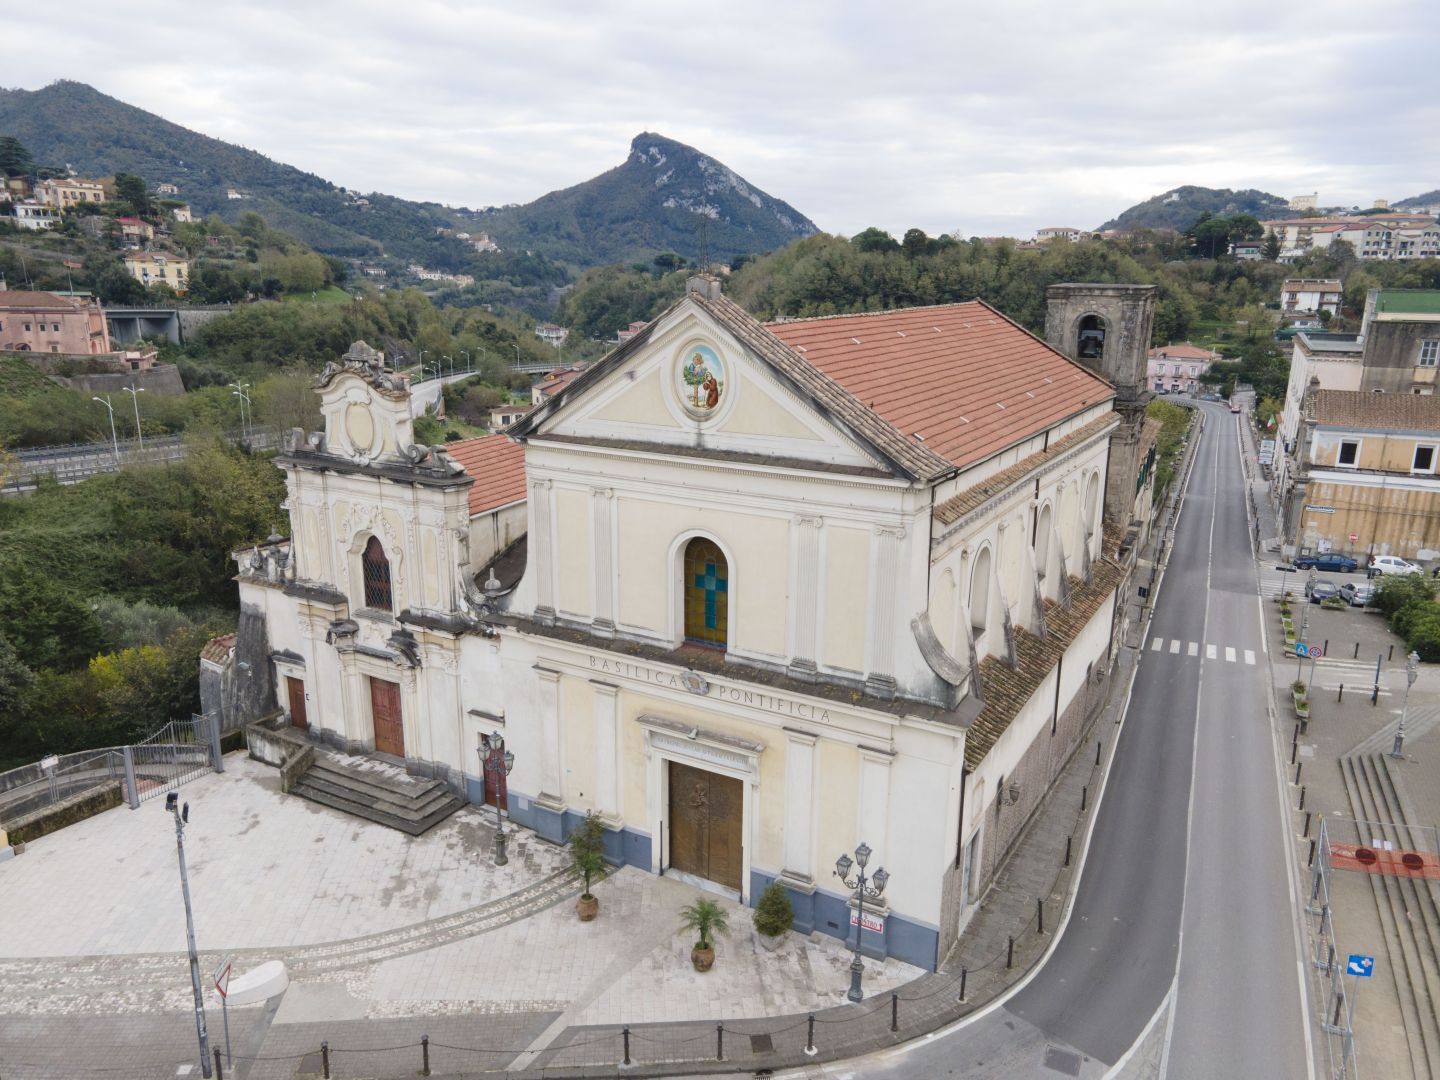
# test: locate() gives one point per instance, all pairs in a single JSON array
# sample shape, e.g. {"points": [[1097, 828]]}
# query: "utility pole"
{"points": [[182, 818], [114, 439], [135, 397]]}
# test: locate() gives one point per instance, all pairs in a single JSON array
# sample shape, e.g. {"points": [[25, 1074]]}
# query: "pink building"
{"points": [[44, 322], [1176, 369]]}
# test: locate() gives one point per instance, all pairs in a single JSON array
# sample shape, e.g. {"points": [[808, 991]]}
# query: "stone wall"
{"points": [[162, 379]]}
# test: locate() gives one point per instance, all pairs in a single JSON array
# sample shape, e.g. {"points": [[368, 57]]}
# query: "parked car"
{"points": [[1391, 564], [1323, 590], [1357, 594], [1336, 563], [1234, 406]]}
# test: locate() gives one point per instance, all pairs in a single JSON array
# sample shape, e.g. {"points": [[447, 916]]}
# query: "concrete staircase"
{"points": [[376, 792], [1408, 908]]}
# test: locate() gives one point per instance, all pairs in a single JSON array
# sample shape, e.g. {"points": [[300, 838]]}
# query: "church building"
{"points": [[753, 593]]}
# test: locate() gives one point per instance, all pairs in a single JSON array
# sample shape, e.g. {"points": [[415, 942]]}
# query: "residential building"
{"points": [[233, 193], [1059, 232], [1373, 236], [166, 189], [46, 323], [1400, 334], [622, 336], [1310, 296], [1365, 480], [551, 334], [135, 230], [482, 243], [555, 382], [1304, 202], [1177, 369], [63, 194], [182, 214], [1249, 250], [36, 217], [505, 415], [1330, 362], [157, 268], [733, 593], [373, 271]]}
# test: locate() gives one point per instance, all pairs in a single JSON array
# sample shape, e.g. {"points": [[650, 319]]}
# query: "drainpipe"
{"points": [[959, 825]]}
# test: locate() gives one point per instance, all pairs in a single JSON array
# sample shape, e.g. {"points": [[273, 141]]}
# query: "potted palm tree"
{"points": [[586, 849], [705, 918], [773, 916]]}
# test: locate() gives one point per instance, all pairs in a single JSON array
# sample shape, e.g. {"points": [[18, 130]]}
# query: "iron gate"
{"points": [[179, 752]]}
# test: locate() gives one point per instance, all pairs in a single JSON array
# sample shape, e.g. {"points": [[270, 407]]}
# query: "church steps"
{"points": [[413, 807]]}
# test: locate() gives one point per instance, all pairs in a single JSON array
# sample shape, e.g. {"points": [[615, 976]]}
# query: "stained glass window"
{"points": [[707, 587], [376, 569]]}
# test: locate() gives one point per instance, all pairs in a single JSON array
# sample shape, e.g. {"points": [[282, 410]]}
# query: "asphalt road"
{"points": [[1179, 905]]}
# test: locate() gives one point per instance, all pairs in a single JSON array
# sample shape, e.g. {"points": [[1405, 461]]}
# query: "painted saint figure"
{"points": [[704, 378]]}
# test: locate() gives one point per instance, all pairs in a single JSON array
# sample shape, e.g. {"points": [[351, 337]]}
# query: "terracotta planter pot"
{"points": [[587, 907], [703, 959]]}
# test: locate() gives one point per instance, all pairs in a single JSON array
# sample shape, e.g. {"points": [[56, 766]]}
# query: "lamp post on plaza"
{"points": [[497, 762], [135, 397], [182, 818], [114, 441], [862, 890], [1412, 671]]}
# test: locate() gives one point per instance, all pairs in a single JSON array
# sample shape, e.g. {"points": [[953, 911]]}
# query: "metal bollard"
{"points": [[894, 1011], [1330, 961], [1311, 862], [1098, 746], [1339, 1001], [719, 1042], [1306, 834], [1356, 655], [1327, 648], [325, 1059], [1084, 796], [964, 973], [219, 1068], [1392, 654], [626, 1036], [1067, 850], [1341, 696], [1010, 953], [424, 1055], [809, 1038], [1040, 914], [1294, 748], [1298, 767], [1302, 798]]}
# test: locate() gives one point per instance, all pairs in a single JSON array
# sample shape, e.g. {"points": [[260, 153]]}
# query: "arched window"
{"points": [[375, 568], [1042, 540], [980, 592], [1092, 504], [1090, 338], [707, 593]]}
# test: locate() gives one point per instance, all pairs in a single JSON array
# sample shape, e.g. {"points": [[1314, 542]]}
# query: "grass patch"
{"points": [[19, 378], [331, 294]]}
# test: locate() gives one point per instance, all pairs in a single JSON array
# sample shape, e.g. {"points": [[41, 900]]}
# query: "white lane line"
{"points": [[1174, 645], [1193, 650], [1209, 652], [1229, 654], [1155, 645], [1250, 657]]}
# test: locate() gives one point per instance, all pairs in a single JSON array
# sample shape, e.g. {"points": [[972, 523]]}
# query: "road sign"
{"points": [[1316, 651], [1360, 966], [1354, 537], [221, 978]]}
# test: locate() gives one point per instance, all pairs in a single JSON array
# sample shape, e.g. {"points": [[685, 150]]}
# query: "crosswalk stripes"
{"points": [[1229, 654], [1209, 652], [1174, 646], [1192, 649], [1250, 657]]}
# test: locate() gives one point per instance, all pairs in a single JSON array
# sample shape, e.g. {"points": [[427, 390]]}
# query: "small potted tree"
{"points": [[706, 918], [586, 849], [773, 916]]}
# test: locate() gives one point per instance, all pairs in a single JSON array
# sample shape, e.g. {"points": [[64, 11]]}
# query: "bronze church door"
{"points": [[385, 710], [705, 813]]}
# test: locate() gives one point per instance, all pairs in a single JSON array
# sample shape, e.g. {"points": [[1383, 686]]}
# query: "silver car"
{"points": [[1357, 594]]}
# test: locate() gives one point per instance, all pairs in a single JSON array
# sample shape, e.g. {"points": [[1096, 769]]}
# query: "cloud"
{"points": [[990, 120]]}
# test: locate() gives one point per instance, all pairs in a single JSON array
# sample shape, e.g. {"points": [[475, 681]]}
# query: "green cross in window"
{"points": [[714, 585]]}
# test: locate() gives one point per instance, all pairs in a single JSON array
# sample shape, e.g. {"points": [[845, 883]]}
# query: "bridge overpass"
{"points": [[130, 324]]}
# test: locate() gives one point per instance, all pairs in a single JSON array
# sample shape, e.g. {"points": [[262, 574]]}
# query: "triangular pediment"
{"points": [[693, 383]]}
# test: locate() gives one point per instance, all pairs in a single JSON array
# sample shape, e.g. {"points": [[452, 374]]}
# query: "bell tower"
{"points": [[1107, 329]]}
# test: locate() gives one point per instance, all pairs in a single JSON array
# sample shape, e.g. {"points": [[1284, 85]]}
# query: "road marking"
{"points": [[1155, 645], [1209, 652], [1229, 654], [1174, 645], [1250, 657], [1193, 650]]}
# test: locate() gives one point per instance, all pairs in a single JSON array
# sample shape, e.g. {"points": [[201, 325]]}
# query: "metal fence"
{"points": [[34, 788], [73, 462], [181, 751], [1327, 961]]}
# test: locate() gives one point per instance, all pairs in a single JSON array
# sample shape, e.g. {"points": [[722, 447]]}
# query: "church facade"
{"points": [[752, 593]]}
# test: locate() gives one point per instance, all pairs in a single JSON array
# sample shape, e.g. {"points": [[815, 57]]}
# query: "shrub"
{"points": [[1396, 592], [773, 914], [706, 918], [586, 848], [1424, 637]]}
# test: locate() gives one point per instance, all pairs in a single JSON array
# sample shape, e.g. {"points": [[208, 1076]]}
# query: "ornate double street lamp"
{"points": [[497, 762], [872, 887], [1412, 671], [182, 818]]}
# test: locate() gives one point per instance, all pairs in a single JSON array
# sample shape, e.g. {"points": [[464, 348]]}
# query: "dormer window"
{"points": [[375, 568]]}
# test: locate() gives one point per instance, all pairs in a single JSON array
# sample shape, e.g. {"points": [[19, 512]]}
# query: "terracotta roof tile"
{"points": [[962, 377], [1185, 351], [218, 649], [15, 299], [498, 467], [1364, 410]]}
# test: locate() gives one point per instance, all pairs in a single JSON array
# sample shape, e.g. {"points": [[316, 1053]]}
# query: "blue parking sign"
{"points": [[1361, 966]]}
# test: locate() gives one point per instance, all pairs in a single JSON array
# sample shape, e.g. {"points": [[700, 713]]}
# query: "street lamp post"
{"points": [[182, 818], [517, 354], [497, 763], [1412, 671], [469, 360], [451, 359], [245, 424], [862, 890], [135, 398], [114, 440]]}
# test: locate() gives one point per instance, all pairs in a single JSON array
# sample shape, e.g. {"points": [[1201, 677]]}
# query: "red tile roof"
{"points": [[19, 299], [558, 380], [961, 378], [498, 466], [1183, 352]]}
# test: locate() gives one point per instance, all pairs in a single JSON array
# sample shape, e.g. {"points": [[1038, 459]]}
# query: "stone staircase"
{"points": [[1408, 908], [376, 792]]}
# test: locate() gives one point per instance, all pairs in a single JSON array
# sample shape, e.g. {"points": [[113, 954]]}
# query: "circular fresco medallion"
{"points": [[700, 380]]}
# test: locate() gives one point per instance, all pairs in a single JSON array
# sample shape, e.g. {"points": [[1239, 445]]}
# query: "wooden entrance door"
{"points": [[705, 812], [295, 691], [385, 710]]}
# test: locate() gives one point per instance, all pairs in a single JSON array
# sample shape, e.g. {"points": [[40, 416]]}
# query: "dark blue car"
{"points": [[1342, 564]]}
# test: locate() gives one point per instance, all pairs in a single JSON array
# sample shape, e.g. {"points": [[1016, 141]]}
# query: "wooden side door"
{"points": [[723, 857], [385, 711], [295, 692]]}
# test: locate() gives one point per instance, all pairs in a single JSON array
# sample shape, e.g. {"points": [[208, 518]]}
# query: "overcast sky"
{"points": [[986, 119]]}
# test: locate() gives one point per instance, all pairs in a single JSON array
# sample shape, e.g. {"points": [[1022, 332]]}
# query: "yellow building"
{"points": [[752, 593], [1366, 475], [158, 268], [63, 194]]}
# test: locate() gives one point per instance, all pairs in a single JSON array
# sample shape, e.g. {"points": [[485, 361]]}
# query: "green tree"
{"points": [[1271, 250], [15, 160], [135, 193], [873, 239]]}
